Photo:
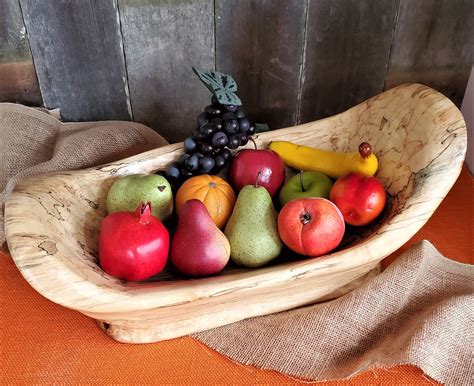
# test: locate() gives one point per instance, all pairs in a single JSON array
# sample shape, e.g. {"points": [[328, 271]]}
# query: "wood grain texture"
{"points": [[261, 44], [17, 72], [78, 54], [52, 223], [347, 51], [433, 45], [163, 40]]}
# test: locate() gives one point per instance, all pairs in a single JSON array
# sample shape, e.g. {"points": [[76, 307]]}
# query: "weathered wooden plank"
{"points": [[163, 39], [17, 73], [261, 44], [78, 55], [433, 44], [347, 51]]}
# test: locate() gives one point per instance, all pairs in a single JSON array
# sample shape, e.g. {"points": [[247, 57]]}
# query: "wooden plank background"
{"points": [[261, 44], [18, 82], [294, 60], [77, 51], [163, 40]]}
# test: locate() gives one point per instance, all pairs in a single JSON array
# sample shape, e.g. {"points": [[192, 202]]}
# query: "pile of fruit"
{"points": [[236, 220]]}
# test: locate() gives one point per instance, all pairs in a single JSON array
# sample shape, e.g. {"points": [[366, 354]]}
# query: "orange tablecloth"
{"points": [[42, 342]]}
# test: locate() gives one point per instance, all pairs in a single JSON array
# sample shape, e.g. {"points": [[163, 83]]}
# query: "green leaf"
{"points": [[223, 86], [261, 127]]}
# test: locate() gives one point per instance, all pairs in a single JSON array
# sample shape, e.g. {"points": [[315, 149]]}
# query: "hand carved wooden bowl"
{"points": [[52, 224]]}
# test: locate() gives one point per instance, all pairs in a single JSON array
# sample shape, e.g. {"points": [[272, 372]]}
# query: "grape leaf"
{"points": [[261, 127], [222, 86]]}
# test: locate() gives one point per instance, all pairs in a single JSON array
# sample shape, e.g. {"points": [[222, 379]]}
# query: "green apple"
{"points": [[128, 192], [305, 184]]}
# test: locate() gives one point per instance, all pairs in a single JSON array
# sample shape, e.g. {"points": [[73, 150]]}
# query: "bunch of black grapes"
{"points": [[220, 129]]}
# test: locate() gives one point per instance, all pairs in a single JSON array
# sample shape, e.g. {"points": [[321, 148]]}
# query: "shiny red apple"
{"points": [[248, 163], [311, 226], [133, 245], [359, 198]]}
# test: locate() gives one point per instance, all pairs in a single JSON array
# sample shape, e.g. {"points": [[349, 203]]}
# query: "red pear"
{"points": [[198, 247]]}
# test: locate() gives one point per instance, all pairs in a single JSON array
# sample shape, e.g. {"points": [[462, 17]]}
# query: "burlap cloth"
{"points": [[418, 311]]}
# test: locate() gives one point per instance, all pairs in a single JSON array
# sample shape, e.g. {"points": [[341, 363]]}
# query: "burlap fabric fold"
{"points": [[33, 142], [417, 311]]}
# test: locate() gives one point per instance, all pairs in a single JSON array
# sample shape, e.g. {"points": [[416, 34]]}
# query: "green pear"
{"points": [[252, 228], [128, 192]]}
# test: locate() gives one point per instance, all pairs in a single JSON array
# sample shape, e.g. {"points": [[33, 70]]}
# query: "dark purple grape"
{"points": [[239, 114], [192, 163], [213, 110], [186, 173], [206, 130], [190, 145], [225, 153], [220, 162], [243, 137], [251, 130], [206, 148], [202, 119], [199, 154], [231, 108], [231, 126], [206, 164], [173, 171], [234, 142], [228, 115], [217, 122], [244, 125], [219, 140], [183, 158]]}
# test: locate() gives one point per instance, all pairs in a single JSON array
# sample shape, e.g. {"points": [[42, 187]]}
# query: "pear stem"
{"points": [[254, 143], [258, 178], [301, 181]]}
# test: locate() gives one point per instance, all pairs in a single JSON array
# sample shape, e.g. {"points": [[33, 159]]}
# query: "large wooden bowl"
{"points": [[52, 224]]}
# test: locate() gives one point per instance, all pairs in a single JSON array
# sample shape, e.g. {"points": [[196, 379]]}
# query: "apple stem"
{"points": [[258, 178], [254, 143], [305, 218], [301, 181]]}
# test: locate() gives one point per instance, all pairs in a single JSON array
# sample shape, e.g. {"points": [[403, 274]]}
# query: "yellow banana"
{"points": [[333, 164]]}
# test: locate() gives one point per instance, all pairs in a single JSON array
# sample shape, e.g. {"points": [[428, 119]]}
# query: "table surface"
{"points": [[45, 343]]}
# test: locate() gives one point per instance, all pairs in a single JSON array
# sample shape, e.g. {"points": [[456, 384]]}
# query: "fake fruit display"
{"points": [[216, 194], [198, 248], [248, 163], [305, 184], [129, 191], [252, 228], [220, 128], [360, 198], [133, 245], [311, 226], [332, 164]]}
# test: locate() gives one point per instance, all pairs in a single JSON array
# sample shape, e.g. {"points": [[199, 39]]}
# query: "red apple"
{"points": [[360, 198], [311, 226], [133, 245], [249, 162]]}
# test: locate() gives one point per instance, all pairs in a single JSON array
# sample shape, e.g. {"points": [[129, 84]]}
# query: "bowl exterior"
{"points": [[52, 222]]}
